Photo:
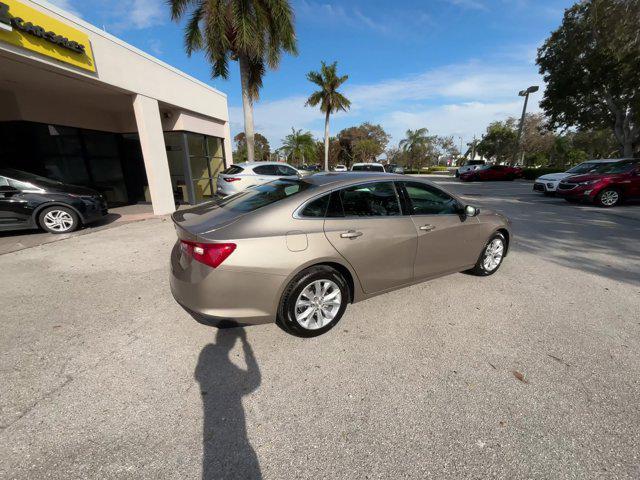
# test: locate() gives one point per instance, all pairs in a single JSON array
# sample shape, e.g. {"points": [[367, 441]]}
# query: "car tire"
{"points": [[485, 267], [58, 219], [303, 292], [511, 178], [609, 197]]}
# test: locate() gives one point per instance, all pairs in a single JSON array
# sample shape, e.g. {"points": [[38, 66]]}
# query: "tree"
{"points": [[350, 137], [500, 141], [299, 146], [417, 145], [262, 148], [328, 97], [334, 151], [252, 32], [592, 70]]}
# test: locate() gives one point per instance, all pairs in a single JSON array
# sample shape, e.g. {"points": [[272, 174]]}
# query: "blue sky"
{"points": [[452, 66]]}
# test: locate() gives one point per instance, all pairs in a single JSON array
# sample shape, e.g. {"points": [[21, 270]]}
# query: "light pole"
{"points": [[525, 94]]}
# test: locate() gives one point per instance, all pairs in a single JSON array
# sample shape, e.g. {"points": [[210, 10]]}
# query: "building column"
{"points": [[228, 149], [154, 153]]}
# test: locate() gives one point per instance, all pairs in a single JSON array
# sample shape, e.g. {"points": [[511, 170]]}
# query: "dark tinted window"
{"points": [[285, 170], [475, 162], [370, 200], [233, 170], [427, 200], [620, 167], [369, 167], [262, 195], [267, 170], [317, 208]]}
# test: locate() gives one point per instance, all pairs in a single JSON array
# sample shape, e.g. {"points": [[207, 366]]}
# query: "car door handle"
{"points": [[428, 228], [351, 234]]}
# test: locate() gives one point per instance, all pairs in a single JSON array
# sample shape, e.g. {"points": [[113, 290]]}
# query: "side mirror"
{"points": [[471, 211]]}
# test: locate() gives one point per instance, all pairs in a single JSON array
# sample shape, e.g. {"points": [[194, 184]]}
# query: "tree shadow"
{"points": [[227, 453]]}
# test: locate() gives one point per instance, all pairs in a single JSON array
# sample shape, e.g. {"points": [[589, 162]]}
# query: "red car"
{"points": [[608, 187], [492, 172]]}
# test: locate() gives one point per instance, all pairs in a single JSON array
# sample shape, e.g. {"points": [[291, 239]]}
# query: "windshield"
{"points": [[260, 196], [27, 177], [367, 168], [475, 162], [619, 167], [587, 167]]}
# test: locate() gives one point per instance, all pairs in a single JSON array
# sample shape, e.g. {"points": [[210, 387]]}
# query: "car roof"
{"points": [[366, 163], [256, 164], [608, 160]]}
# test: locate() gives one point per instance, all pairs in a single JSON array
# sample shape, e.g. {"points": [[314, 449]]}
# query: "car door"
{"points": [[266, 173], [15, 208], [633, 187], [366, 226], [447, 240]]}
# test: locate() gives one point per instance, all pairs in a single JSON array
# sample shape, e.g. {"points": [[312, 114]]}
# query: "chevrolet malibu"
{"points": [[297, 252]]}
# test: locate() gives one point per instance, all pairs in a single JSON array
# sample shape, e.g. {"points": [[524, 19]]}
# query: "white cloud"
{"points": [[459, 100], [146, 13]]}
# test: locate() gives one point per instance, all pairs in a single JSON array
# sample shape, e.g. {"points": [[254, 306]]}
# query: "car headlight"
{"points": [[588, 182]]}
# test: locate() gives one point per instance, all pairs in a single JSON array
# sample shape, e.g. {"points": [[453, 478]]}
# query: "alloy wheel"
{"points": [[318, 304], [493, 255], [58, 220], [609, 198]]}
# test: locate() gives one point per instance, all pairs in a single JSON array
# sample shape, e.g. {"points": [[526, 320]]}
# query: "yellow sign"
{"points": [[31, 29]]}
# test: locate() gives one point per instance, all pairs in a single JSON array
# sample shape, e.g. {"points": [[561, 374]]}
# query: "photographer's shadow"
{"points": [[227, 453]]}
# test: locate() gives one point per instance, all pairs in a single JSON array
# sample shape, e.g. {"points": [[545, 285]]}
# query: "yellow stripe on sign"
{"points": [[33, 30]]}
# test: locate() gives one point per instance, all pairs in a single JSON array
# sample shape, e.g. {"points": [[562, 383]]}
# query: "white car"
{"points": [[340, 168], [367, 167], [548, 184], [241, 176], [470, 166]]}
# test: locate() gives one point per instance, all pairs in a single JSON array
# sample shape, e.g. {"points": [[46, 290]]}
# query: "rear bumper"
{"points": [[224, 296]]}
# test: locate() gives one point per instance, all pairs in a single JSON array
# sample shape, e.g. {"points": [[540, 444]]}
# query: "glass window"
{"points": [[620, 167], [4, 182], [370, 200], [368, 167], [233, 170], [286, 170], [262, 195], [267, 170], [317, 208], [427, 200]]}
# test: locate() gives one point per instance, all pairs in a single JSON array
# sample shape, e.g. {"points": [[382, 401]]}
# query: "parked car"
{"points": [[548, 184], [492, 172], [340, 168], [241, 176], [470, 166], [29, 201], [608, 187], [367, 167], [298, 251]]}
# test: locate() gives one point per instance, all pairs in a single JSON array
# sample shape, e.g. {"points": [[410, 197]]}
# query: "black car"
{"points": [[29, 201]]}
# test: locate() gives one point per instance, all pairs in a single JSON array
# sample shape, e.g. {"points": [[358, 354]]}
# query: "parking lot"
{"points": [[529, 373]]}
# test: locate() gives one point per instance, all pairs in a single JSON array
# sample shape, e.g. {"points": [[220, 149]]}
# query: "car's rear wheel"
{"points": [[609, 197], [59, 220], [313, 302], [491, 256]]}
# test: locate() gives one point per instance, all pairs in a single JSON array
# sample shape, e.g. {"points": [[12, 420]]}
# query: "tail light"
{"points": [[212, 254], [231, 179]]}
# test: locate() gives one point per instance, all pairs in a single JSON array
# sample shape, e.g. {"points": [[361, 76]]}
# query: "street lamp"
{"points": [[525, 94]]}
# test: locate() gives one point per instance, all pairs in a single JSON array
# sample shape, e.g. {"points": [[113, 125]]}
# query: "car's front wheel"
{"points": [[609, 197], [491, 256], [313, 302], [59, 220]]}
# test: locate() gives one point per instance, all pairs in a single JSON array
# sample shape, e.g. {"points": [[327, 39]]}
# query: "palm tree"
{"points": [[328, 97], [253, 32], [298, 145], [415, 143]]}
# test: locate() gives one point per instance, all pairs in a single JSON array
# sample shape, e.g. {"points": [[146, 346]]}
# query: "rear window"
{"points": [[367, 168], [233, 170], [260, 196], [475, 162]]}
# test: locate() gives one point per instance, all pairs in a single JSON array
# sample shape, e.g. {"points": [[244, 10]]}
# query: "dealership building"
{"points": [[83, 107]]}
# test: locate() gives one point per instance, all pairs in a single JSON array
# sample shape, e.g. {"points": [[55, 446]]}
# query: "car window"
{"points": [[428, 200], [266, 170], [619, 167], [286, 170], [17, 184], [261, 195], [233, 170], [368, 200], [369, 167], [317, 208], [4, 182]]}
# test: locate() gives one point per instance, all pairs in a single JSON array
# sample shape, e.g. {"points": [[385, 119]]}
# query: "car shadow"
{"points": [[227, 452]]}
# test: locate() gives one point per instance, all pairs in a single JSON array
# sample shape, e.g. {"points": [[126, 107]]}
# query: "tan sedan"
{"points": [[298, 251]]}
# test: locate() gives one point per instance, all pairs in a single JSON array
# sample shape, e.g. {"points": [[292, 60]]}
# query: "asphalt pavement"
{"points": [[529, 373]]}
